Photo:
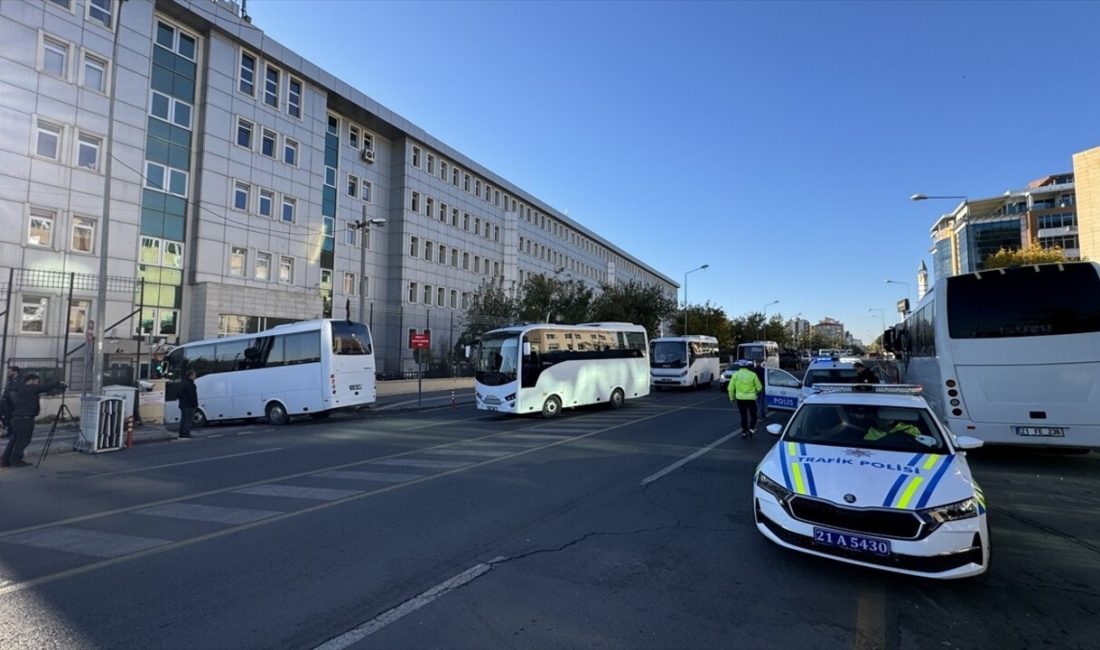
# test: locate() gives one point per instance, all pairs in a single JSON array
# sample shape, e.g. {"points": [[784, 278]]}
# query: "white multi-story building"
{"points": [[238, 174]]}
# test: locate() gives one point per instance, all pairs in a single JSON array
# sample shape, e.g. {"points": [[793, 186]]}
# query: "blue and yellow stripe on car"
{"points": [[979, 496], [799, 476], [907, 486]]}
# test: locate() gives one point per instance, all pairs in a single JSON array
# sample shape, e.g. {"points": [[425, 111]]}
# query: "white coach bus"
{"points": [[543, 368], [305, 368], [683, 361], [1011, 356]]}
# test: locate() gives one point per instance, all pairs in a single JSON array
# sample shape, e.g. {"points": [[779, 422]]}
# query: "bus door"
{"points": [[781, 389]]}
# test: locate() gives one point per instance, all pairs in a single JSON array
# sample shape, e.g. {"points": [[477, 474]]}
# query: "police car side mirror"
{"points": [[968, 442], [774, 429]]}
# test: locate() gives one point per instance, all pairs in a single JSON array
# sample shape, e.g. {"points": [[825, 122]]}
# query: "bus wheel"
{"points": [[199, 420], [276, 414], [617, 398], [551, 408]]}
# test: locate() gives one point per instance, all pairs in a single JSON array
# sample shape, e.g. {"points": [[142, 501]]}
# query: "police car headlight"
{"points": [[684, 373], [771, 487], [964, 509]]}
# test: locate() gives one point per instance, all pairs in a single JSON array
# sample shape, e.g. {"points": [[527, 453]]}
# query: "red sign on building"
{"points": [[418, 341]]}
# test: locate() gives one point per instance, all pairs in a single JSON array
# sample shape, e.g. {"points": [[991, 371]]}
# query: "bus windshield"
{"points": [[668, 354], [497, 358], [751, 352], [1026, 301], [350, 338]]}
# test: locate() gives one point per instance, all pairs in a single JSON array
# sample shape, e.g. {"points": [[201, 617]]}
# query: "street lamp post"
{"points": [[908, 296], [698, 268], [774, 302], [882, 316], [363, 226]]}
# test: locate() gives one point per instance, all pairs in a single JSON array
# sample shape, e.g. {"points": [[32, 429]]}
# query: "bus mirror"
{"points": [[526, 348]]}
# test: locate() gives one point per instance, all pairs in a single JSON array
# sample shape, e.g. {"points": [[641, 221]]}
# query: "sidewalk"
{"points": [[389, 395]]}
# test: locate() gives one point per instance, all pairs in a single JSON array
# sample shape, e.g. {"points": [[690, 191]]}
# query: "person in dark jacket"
{"points": [[25, 407], [189, 401], [761, 399], [12, 384], [864, 375]]}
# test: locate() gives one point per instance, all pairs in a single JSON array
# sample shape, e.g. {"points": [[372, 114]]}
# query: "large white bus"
{"points": [[543, 368], [766, 351], [304, 368], [1011, 356], [683, 361]]}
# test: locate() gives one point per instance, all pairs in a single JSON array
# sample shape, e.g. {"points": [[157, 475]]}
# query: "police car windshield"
{"points": [[832, 376], [886, 428]]}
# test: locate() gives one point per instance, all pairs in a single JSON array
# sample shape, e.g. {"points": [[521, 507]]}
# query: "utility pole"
{"points": [[363, 226]]}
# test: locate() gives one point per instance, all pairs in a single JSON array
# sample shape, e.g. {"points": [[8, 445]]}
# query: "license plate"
{"points": [[871, 545], [355, 387], [491, 408], [1050, 432]]}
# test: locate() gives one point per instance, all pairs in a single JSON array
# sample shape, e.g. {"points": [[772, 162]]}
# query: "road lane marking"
{"points": [[213, 514], [297, 492], [484, 453], [393, 615], [86, 542], [418, 462], [383, 477], [683, 461], [186, 462], [11, 587]]}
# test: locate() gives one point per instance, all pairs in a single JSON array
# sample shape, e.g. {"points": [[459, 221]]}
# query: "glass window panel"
{"points": [[83, 234], [40, 232], [150, 273], [34, 315], [150, 251], [55, 57], [49, 140], [173, 255], [162, 77], [171, 276], [247, 76], [177, 182], [169, 321], [88, 152], [182, 115], [166, 35], [186, 46], [154, 175], [100, 11], [95, 73]]}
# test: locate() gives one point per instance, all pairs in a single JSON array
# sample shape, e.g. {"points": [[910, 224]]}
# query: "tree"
{"points": [[548, 299], [1031, 254], [707, 320], [633, 302], [490, 307]]}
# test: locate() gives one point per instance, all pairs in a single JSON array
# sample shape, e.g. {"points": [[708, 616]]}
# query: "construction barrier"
{"points": [[101, 424]]}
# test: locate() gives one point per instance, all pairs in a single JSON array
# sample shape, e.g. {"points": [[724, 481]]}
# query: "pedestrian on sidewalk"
{"points": [[10, 386], [188, 401], [743, 388], [25, 407]]}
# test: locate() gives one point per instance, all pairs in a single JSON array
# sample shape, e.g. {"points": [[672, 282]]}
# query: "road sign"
{"points": [[903, 306], [420, 341]]}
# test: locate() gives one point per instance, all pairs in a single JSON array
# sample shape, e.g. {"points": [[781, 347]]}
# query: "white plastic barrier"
{"points": [[102, 422]]}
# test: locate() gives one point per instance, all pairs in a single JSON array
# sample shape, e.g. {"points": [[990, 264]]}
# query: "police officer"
{"points": [[880, 429], [12, 385], [188, 402], [761, 401], [25, 408], [743, 388], [864, 375]]}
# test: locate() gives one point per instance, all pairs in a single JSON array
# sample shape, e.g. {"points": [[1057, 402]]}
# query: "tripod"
{"points": [[61, 412]]}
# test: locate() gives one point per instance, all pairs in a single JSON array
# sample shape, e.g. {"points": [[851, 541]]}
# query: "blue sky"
{"points": [[777, 142]]}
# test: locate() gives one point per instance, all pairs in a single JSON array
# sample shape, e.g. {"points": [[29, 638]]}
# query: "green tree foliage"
{"points": [[491, 306], [707, 320], [1033, 254], [633, 302], [549, 299]]}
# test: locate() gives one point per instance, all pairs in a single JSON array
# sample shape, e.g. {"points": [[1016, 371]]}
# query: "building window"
{"points": [[326, 279], [415, 202], [442, 212], [427, 294], [271, 86], [496, 269], [416, 157], [48, 142], [353, 185], [496, 233], [441, 257], [267, 143], [330, 176], [87, 151], [244, 133], [238, 261], [67, 4], [286, 270], [40, 232], [412, 292], [431, 164], [241, 197], [290, 152], [294, 98], [290, 205], [443, 169], [350, 284], [34, 315], [428, 248], [246, 78], [176, 41], [267, 203], [350, 234], [414, 247], [465, 261], [83, 235], [55, 57], [368, 190], [95, 73], [429, 207], [78, 316], [368, 141], [454, 299], [454, 217], [353, 136], [454, 257], [477, 188], [263, 266], [477, 264], [465, 300], [454, 176], [466, 222], [440, 297], [333, 125], [477, 227], [102, 12]]}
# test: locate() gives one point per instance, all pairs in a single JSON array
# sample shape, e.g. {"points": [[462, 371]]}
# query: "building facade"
{"points": [[831, 330], [246, 188], [1086, 173], [1044, 214]]}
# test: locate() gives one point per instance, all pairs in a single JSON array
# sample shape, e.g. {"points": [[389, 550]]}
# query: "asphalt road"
{"points": [[452, 528]]}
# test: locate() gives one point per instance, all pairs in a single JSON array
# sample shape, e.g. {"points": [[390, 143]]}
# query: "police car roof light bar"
{"points": [[896, 389]]}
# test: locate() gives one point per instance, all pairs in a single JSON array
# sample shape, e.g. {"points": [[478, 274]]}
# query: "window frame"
{"points": [[270, 196], [36, 135], [80, 143], [290, 144], [111, 11], [268, 93], [80, 222], [47, 214], [87, 57], [251, 133], [293, 203], [44, 41], [43, 319], [262, 256], [242, 53], [286, 262], [240, 252], [294, 108], [269, 135]]}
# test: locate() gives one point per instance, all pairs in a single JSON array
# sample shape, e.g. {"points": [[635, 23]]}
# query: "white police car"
{"points": [[727, 373], [866, 474], [829, 370]]}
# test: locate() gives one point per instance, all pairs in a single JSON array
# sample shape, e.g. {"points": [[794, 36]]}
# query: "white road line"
{"points": [[361, 632], [382, 477], [416, 462], [213, 514], [86, 542], [484, 453], [684, 461], [187, 462], [298, 492]]}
